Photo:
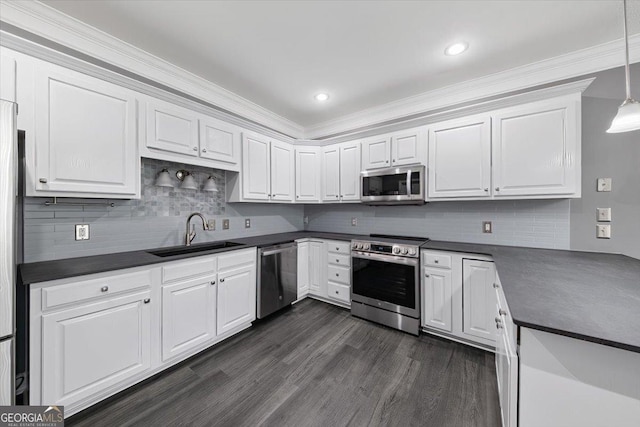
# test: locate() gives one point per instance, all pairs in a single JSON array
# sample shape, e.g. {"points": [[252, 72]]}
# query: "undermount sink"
{"points": [[192, 249]]}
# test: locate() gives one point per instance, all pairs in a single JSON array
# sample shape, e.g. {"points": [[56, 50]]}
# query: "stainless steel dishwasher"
{"points": [[277, 277]]}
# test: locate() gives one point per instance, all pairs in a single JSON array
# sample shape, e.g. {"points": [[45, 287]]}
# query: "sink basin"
{"points": [[192, 249]]}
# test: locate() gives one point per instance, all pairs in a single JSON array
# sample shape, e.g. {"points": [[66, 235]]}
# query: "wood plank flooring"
{"points": [[314, 365]]}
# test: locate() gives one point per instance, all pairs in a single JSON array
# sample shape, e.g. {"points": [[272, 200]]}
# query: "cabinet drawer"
{"points": [[237, 259], [339, 259], [94, 288], [189, 268], [339, 274], [436, 260], [336, 247], [339, 292]]}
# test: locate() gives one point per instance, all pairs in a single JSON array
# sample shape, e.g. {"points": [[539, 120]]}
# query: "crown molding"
{"points": [[571, 65], [46, 22]]}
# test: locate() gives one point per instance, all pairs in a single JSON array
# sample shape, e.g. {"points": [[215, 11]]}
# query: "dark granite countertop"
{"points": [[585, 295]]}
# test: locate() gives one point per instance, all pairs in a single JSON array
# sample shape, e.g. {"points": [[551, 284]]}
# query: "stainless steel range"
{"points": [[386, 281]]}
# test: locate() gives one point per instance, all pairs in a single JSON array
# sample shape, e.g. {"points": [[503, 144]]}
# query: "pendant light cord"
{"points": [[626, 48]]}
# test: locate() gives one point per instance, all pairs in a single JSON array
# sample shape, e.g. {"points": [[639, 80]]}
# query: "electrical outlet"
{"points": [[247, 223], [225, 224], [603, 231], [82, 231], [212, 224], [487, 227], [604, 184], [354, 221], [306, 220], [603, 214]]}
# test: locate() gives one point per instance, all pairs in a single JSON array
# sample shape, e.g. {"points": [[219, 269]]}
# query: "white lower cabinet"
{"points": [[478, 299], [188, 315], [303, 269], [436, 300], [506, 361], [317, 268], [89, 348], [93, 336]]}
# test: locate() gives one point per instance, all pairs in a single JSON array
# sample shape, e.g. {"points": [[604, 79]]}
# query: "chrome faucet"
{"points": [[191, 234]]}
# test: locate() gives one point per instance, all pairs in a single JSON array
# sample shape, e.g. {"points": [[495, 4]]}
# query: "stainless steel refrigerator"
{"points": [[10, 246]]}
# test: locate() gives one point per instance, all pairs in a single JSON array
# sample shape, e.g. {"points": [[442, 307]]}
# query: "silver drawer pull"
{"points": [[337, 248], [337, 292], [436, 261], [502, 312], [221, 280], [337, 261], [213, 282], [496, 286], [43, 180], [498, 325], [147, 300], [497, 188], [104, 289], [195, 148], [426, 275], [337, 275], [204, 150]]}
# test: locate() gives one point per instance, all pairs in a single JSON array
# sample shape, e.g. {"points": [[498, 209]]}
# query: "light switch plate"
{"points": [[603, 214], [225, 224], [354, 221], [247, 223], [604, 184], [82, 231], [487, 227], [212, 224], [306, 220], [603, 231]]}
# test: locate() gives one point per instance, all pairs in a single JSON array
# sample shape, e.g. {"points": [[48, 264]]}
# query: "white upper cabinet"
{"points": [[282, 172], [350, 171], [408, 147], [85, 137], [308, 174], [256, 166], [460, 158], [536, 148], [175, 133], [219, 141], [405, 147], [341, 172], [171, 128], [376, 152], [331, 173]]}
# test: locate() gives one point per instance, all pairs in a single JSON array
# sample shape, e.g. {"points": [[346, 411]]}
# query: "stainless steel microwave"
{"points": [[391, 186]]}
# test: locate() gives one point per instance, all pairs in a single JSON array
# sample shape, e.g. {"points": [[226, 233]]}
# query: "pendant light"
{"points": [[211, 185], [188, 183], [628, 117], [164, 179]]}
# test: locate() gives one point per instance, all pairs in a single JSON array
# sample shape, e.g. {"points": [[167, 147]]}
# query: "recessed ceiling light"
{"points": [[456, 48], [322, 97]]}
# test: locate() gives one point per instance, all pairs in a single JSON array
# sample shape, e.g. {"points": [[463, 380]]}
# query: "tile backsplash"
{"points": [[157, 219], [534, 223]]}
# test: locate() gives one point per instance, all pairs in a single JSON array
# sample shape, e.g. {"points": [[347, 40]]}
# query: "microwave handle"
{"points": [[409, 183]]}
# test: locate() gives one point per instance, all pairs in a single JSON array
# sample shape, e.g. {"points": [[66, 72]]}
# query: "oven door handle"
{"points": [[385, 258]]}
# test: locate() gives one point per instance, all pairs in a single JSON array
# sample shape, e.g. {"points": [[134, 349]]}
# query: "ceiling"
{"points": [[279, 54]]}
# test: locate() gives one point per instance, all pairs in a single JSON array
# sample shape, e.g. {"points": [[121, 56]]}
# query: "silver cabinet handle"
{"points": [[147, 300], [221, 280], [436, 261], [297, 197], [337, 292], [502, 312], [337, 261], [386, 161], [337, 248], [497, 188], [337, 196], [195, 148], [426, 275], [213, 282], [204, 150], [496, 286], [43, 180], [104, 289], [486, 189], [337, 275]]}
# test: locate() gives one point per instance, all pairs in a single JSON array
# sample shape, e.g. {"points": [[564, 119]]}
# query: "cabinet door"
{"points": [[219, 141], [331, 173], [85, 135], [236, 298], [255, 166], [350, 171], [303, 269], [408, 147], [436, 299], [308, 174], [376, 152], [507, 373], [188, 315], [317, 267], [6, 373], [478, 299], [536, 148], [282, 172], [172, 128], [460, 158], [92, 347]]}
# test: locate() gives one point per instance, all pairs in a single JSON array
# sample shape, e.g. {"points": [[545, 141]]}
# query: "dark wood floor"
{"points": [[315, 365]]}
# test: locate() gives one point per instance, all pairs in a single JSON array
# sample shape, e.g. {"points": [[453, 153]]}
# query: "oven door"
{"points": [[386, 281]]}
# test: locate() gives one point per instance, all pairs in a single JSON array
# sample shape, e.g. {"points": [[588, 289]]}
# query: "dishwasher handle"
{"points": [[278, 249]]}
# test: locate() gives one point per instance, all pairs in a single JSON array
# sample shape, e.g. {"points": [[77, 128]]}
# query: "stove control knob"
{"points": [[367, 247], [404, 251], [412, 251], [396, 250], [354, 245], [360, 246]]}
